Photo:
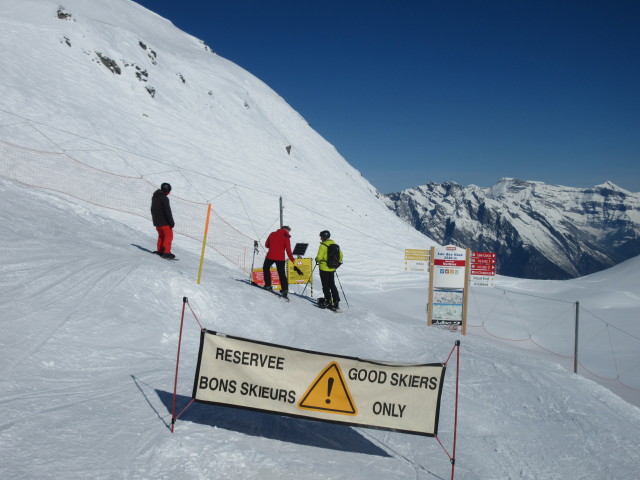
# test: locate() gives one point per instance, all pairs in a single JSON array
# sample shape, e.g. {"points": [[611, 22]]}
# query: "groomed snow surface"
{"points": [[90, 323], [90, 318]]}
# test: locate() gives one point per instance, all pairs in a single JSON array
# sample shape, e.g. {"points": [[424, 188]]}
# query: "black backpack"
{"points": [[333, 255]]}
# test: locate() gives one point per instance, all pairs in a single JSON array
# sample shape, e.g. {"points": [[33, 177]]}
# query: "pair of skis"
{"points": [[286, 299], [275, 292], [171, 257], [323, 306]]}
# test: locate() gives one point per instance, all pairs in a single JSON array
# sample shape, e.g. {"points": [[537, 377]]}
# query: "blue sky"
{"points": [[416, 91]]}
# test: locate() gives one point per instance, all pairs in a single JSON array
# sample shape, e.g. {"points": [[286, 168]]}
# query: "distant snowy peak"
{"points": [[608, 185], [537, 230]]}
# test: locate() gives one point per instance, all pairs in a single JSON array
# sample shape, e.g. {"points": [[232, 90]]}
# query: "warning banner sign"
{"points": [[257, 277], [304, 266], [319, 397], [243, 373]]}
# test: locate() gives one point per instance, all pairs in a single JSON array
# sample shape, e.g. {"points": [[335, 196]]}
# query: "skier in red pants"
{"points": [[163, 220]]}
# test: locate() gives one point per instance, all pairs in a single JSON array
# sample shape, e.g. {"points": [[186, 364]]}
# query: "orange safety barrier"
{"points": [[62, 173]]}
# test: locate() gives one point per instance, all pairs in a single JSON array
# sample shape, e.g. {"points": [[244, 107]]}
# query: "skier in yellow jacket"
{"points": [[327, 266]]}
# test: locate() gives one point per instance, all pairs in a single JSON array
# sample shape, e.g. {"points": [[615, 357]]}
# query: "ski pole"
{"points": [[310, 277], [345, 297], [255, 250]]}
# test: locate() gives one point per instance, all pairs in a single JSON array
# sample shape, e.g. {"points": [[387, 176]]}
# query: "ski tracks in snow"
{"points": [[50, 298]]}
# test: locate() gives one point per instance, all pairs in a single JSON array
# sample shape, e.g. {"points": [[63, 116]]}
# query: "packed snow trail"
{"points": [[90, 330]]}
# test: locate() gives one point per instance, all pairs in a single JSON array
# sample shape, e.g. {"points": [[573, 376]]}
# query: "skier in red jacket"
{"points": [[278, 243]]}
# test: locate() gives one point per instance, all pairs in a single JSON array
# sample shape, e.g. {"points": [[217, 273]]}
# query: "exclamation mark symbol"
{"points": [[329, 387]]}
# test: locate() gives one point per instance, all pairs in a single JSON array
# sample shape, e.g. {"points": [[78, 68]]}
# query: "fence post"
{"points": [[575, 347], [204, 242], [175, 382]]}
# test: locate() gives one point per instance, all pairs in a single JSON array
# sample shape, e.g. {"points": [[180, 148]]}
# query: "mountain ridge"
{"points": [[537, 230]]}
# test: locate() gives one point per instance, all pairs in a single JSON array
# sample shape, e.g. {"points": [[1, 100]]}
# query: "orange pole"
{"points": [[204, 242]]}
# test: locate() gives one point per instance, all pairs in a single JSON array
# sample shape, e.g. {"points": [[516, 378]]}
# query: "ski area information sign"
{"points": [[260, 376], [416, 260], [450, 265]]}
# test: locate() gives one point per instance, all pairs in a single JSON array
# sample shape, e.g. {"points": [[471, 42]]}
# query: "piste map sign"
{"points": [[243, 373]]}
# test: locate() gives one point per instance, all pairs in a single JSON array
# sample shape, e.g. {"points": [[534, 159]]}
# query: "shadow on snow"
{"points": [[273, 426]]}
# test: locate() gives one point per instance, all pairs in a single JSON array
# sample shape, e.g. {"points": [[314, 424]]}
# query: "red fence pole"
{"points": [[175, 383], [455, 422], [452, 457]]}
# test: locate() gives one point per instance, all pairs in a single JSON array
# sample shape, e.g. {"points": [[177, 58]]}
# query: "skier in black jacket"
{"points": [[163, 220]]}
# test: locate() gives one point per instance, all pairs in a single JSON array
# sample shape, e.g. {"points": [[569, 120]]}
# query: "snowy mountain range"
{"points": [[537, 230], [90, 320]]}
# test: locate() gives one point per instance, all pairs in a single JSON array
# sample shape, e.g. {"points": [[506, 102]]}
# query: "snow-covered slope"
{"points": [[536, 230], [211, 129], [87, 359], [90, 319]]}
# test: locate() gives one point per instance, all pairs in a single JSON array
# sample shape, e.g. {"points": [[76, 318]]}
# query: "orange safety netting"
{"points": [[62, 173], [527, 346]]}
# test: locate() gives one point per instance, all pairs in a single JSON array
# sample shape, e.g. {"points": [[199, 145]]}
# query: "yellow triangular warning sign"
{"points": [[329, 393]]}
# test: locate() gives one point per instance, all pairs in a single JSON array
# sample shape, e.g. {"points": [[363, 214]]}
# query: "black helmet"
{"points": [[325, 234], [165, 187]]}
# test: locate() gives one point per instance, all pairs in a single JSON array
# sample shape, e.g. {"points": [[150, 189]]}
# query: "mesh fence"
{"points": [[606, 354], [60, 172]]}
